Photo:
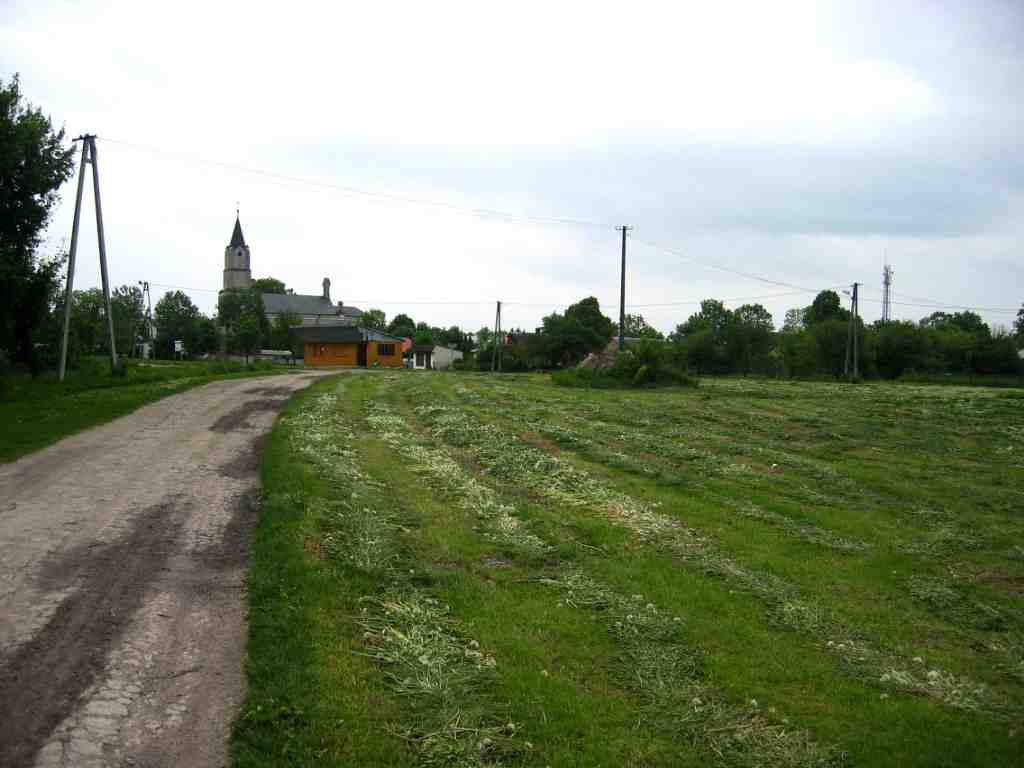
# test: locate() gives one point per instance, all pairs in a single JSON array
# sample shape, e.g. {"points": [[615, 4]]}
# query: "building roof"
{"points": [[236, 236], [340, 332], [422, 347], [299, 304]]}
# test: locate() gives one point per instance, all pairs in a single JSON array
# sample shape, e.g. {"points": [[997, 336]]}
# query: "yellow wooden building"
{"points": [[346, 344]]}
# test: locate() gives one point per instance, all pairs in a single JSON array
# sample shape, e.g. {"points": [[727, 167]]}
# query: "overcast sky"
{"points": [[806, 143]]}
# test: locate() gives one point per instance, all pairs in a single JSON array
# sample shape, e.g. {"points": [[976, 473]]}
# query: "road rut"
{"points": [[123, 553]]}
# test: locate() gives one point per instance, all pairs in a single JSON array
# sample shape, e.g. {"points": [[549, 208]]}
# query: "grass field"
{"points": [[38, 411], [472, 570]]}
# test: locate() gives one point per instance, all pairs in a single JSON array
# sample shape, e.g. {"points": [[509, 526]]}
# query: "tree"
{"points": [[33, 165], [1018, 324], [423, 334], [205, 336], [129, 315], [176, 317], [402, 325], [268, 285], [280, 332], [899, 347], [749, 338], [713, 316], [587, 314], [826, 306], [637, 327], [566, 339], [374, 318], [234, 305], [794, 319], [247, 335]]}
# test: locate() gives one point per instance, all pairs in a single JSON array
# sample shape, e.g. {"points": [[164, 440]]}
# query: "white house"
{"points": [[432, 356]]}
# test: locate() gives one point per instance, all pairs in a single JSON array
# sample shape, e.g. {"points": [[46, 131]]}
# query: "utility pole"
{"points": [[622, 291], [496, 354], [851, 335], [886, 293], [88, 156], [149, 313]]}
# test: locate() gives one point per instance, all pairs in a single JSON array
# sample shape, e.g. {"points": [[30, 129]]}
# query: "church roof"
{"points": [[278, 303], [236, 236]]}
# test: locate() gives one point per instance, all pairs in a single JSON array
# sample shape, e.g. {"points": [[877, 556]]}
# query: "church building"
{"points": [[312, 309], [331, 333]]}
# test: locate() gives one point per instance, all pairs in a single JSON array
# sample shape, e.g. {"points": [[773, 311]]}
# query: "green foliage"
{"points": [[423, 334], [243, 306], [648, 364], [268, 285], [246, 335], [33, 166], [637, 328], [825, 307], [280, 333], [374, 318], [402, 325], [587, 313], [177, 319]]}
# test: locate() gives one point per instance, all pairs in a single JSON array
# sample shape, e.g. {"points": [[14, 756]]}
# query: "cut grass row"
{"points": [[563, 677]]}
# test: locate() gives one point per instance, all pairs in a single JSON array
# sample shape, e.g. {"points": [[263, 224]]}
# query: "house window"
{"points": [[386, 350]]}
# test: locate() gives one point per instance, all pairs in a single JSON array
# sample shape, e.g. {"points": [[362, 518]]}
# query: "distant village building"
{"points": [[346, 344], [433, 357], [313, 310]]}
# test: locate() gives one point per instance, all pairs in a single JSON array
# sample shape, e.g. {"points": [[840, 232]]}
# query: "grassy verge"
{"points": [[313, 698], [37, 412]]}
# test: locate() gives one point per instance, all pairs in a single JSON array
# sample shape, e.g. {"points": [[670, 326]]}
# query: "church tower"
{"points": [[236, 261]]}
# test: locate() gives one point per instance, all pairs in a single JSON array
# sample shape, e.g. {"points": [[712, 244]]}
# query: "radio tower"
{"points": [[886, 293]]}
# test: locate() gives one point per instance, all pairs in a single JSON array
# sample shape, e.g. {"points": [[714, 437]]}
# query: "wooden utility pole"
{"points": [[851, 335], [622, 291], [88, 156], [496, 354]]}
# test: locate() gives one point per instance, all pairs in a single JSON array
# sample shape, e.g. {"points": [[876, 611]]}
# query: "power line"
{"points": [[512, 218], [730, 270], [382, 197]]}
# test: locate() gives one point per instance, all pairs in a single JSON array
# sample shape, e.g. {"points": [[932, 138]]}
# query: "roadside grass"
{"points": [[39, 411], [482, 571]]}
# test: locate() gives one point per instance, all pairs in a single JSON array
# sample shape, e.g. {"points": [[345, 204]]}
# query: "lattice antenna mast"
{"points": [[886, 293]]}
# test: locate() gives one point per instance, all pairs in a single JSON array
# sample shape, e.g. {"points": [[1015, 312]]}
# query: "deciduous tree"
{"points": [[33, 165]]}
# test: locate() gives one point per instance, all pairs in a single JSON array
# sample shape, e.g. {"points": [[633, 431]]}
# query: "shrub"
{"points": [[648, 364]]}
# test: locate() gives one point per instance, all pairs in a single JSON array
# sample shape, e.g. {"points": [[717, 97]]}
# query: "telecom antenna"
{"points": [[886, 293]]}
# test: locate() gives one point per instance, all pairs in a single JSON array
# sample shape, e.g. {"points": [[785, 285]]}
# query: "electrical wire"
{"points": [[383, 197], [508, 217]]}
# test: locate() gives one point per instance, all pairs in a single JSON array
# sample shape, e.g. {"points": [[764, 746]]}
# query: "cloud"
{"points": [[803, 142]]}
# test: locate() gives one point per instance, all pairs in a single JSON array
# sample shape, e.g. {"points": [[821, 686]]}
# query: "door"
{"points": [[361, 355]]}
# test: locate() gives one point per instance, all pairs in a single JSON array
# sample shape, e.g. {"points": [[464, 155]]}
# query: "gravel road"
{"points": [[123, 553]]}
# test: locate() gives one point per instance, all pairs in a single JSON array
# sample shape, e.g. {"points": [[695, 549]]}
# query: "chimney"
{"points": [[327, 288]]}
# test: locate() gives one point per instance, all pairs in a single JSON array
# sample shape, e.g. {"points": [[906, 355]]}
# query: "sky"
{"points": [[433, 158]]}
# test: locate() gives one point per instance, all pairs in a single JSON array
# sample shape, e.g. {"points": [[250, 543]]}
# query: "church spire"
{"points": [[236, 236]]}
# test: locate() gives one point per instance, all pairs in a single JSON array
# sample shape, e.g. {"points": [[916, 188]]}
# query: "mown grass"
{"points": [[888, 515], [38, 411]]}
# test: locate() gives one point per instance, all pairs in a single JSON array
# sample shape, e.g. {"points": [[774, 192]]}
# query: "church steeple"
{"points": [[236, 236], [237, 273]]}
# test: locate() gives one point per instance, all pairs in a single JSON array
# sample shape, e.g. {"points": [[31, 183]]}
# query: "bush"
{"points": [[648, 364]]}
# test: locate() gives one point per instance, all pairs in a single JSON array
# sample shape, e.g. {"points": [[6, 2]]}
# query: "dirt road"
{"points": [[123, 553]]}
